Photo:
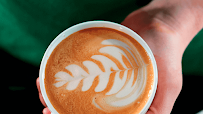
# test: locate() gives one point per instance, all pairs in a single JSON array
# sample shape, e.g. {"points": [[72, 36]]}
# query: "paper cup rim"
{"points": [[90, 24]]}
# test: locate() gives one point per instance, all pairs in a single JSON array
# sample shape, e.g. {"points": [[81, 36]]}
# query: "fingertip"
{"points": [[46, 111], [38, 85], [37, 81]]}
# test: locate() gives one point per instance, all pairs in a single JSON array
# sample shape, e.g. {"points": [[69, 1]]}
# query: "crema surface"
{"points": [[99, 70]]}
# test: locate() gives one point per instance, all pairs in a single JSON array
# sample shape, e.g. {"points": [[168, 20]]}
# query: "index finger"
{"points": [[40, 94]]}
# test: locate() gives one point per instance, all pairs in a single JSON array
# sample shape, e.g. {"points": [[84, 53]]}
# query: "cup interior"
{"points": [[91, 24]]}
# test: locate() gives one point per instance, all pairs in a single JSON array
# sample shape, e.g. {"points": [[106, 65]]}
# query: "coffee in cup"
{"points": [[99, 70]]}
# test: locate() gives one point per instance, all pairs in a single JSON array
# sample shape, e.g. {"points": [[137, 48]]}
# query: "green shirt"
{"points": [[28, 26]]}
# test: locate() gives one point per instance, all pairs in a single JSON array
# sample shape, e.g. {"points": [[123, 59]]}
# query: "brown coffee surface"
{"points": [[82, 59]]}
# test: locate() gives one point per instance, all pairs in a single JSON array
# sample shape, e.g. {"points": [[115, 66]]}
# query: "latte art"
{"points": [[126, 87], [107, 74]]}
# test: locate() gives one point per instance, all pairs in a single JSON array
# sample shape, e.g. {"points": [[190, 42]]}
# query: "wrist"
{"points": [[179, 10], [185, 17]]}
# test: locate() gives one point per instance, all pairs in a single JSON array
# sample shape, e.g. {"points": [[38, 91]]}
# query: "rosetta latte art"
{"points": [[127, 86]]}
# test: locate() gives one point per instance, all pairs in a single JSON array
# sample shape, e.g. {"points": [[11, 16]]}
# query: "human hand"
{"points": [[164, 45], [167, 30], [45, 110]]}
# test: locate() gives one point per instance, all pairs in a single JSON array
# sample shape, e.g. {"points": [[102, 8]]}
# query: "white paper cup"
{"points": [[91, 24]]}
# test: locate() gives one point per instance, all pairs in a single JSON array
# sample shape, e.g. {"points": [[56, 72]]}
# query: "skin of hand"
{"points": [[165, 45], [45, 110], [167, 26]]}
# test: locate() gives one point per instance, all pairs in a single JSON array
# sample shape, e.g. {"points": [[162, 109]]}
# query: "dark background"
{"points": [[19, 86]]}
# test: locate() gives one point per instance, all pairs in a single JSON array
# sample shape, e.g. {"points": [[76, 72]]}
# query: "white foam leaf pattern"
{"points": [[118, 84], [123, 89]]}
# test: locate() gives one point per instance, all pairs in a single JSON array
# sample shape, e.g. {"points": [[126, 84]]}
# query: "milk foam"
{"points": [[125, 89]]}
